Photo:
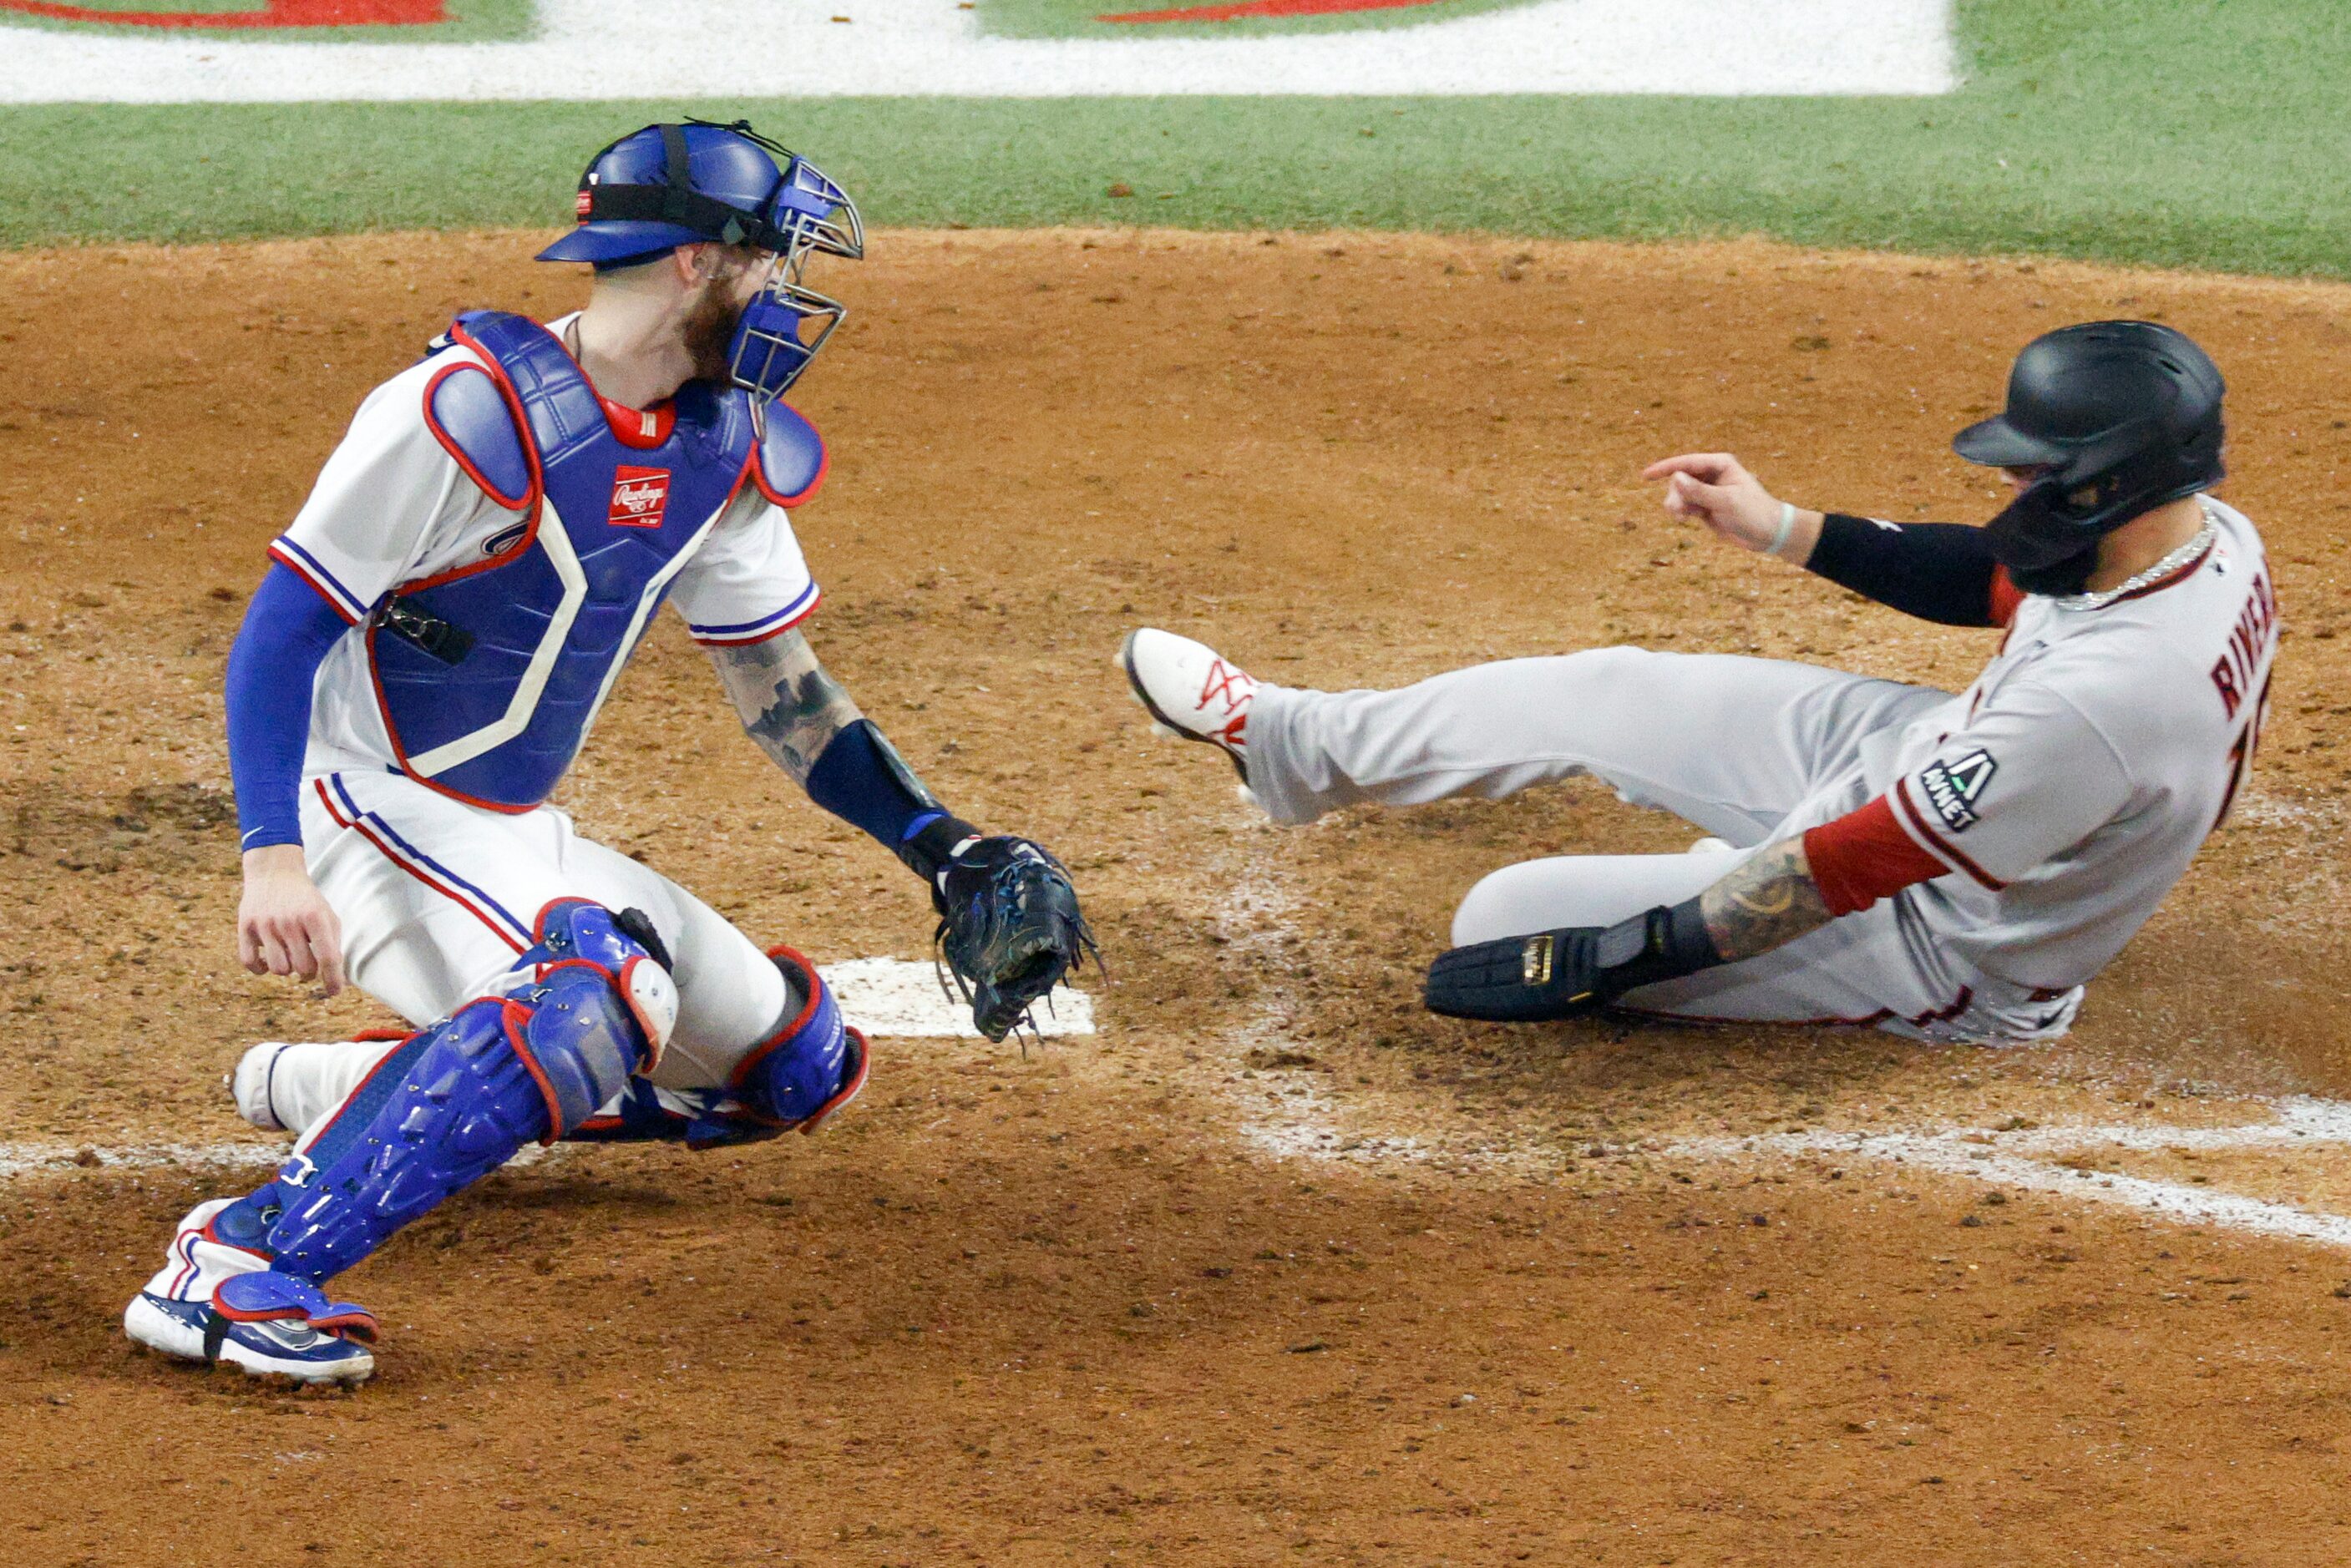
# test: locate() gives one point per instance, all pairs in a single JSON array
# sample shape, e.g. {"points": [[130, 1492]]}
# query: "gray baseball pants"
{"points": [[1750, 750]]}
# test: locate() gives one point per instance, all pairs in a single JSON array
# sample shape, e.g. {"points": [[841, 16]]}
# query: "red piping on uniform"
{"points": [[365, 832], [286, 558], [1917, 822], [1933, 1015], [746, 641]]}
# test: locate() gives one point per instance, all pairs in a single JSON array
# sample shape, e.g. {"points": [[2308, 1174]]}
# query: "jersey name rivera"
{"points": [[2232, 672]]}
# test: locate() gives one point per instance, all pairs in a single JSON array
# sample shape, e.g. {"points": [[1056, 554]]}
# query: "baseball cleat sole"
{"points": [[176, 1329]]}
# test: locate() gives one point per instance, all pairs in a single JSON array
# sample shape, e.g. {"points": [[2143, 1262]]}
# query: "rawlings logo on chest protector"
{"points": [[640, 495], [491, 675]]}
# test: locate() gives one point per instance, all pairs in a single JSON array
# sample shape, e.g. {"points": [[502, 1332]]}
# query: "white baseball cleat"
{"points": [[1192, 691], [180, 1314]]}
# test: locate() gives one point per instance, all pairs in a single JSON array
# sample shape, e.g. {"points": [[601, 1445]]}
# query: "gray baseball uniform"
{"points": [[2056, 800]]}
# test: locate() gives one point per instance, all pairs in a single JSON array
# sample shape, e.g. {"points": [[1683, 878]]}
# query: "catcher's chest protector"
{"points": [[490, 674]]}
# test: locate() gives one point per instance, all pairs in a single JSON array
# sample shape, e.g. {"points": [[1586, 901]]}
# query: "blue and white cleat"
{"points": [[214, 1301]]}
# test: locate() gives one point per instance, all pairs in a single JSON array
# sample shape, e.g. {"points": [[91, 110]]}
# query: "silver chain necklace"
{"points": [[2157, 573]]}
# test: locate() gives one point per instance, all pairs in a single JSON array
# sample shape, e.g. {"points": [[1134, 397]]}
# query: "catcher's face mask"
{"points": [[787, 322]]}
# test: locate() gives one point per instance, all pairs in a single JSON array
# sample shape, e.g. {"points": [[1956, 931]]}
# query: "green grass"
{"points": [[2171, 133], [469, 21], [1077, 19]]}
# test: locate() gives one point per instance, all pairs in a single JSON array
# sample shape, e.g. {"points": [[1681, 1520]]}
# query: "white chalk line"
{"points": [[1984, 1154], [1289, 1114], [892, 999], [1305, 1127], [585, 49]]}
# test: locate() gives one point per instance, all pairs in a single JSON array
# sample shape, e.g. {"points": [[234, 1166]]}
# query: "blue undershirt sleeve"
{"points": [[853, 781], [289, 629]]}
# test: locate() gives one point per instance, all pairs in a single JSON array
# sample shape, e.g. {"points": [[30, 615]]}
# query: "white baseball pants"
{"points": [[437, 897]]}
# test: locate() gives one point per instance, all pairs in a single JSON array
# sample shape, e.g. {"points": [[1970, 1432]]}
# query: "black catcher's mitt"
{"points": [[1009, 927]]}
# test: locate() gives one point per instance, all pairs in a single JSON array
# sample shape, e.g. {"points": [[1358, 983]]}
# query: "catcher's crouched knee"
{"points": [[809, 1068]]}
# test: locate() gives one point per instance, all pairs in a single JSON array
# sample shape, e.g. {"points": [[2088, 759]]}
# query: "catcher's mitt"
{"points": [[1009, 927]]}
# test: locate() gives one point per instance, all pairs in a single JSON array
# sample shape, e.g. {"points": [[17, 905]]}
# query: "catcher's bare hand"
{"points": [[283, 924], [1010, 929], [1713, 488]]}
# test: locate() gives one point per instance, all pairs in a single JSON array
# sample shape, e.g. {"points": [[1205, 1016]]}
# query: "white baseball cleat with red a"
{"points": [[1193, 691]]}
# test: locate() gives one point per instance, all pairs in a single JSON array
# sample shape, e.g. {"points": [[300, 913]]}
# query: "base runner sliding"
{"points": [[1946, 866]]}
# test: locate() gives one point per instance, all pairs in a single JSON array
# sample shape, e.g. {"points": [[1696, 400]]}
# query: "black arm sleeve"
{"points": [[1935, 571]]}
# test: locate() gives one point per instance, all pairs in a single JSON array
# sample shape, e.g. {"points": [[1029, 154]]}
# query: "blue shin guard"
{"points": [[813, 1065], [582, 1011], [808, 1069]]}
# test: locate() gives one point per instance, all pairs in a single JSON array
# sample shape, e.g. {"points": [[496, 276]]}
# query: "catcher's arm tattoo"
{"points": [[1769, 901], [790, 705]]}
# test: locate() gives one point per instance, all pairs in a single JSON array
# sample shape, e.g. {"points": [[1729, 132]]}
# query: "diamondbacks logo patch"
{"points": [[1954, 787], [639, 496]]}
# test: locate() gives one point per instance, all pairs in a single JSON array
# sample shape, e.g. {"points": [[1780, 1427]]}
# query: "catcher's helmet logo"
{"points": [[1954, 787]]}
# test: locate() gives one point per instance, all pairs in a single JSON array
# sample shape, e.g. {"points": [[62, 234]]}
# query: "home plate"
{"points": [[901, 1000]]}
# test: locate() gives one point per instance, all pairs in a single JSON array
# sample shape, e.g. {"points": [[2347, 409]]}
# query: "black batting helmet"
{"points": [[2119, 416]]}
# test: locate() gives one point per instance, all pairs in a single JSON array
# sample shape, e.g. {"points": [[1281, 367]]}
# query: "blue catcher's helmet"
{"points": [[699, 183]]}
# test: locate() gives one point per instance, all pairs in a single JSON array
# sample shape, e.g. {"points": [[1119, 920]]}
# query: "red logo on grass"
{"points": [[639, 496], [263, 14]]}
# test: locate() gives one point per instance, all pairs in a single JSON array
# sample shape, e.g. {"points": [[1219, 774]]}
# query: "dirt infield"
{"points": [[1277, 1269]]}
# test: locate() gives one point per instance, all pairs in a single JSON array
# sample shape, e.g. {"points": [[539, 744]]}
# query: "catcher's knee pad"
{"points": [[808, 1069], [583, 1010]]}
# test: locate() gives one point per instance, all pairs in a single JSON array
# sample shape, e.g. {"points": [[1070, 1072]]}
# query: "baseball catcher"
{"points": [[435, 635], [1950, 867]]}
